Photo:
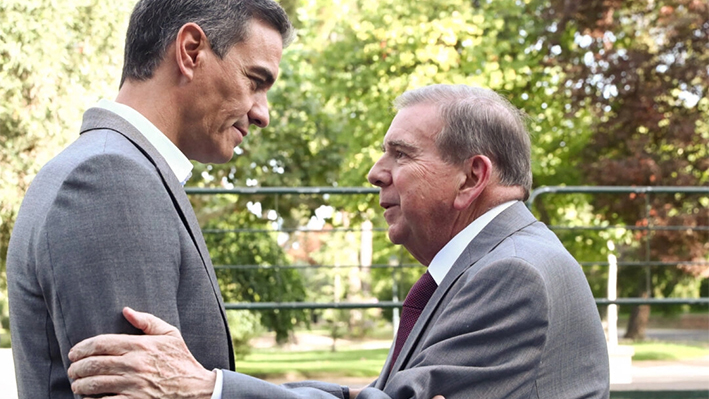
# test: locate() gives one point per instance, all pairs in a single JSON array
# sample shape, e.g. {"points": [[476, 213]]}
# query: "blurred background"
{"points": [[617, 98]]}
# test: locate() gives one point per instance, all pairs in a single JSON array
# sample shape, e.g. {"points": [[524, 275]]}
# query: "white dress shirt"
{"points": [[444, 259], [178, 162]]}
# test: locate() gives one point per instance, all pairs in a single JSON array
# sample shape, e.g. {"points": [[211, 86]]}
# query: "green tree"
{"points": [[332, 104], [231, 244], [56, 60], [639, 67]]}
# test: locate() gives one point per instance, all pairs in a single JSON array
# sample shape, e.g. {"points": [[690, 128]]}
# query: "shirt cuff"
{"points": [[346, 392], [218, 384]]}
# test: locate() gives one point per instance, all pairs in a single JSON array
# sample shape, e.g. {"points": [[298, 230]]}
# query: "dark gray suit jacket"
{"points": [[106, 224], [514, 318]]}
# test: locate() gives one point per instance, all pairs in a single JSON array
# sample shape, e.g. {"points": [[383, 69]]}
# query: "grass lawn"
{"points": [[667, 351], [265, 363], [274, 363]]}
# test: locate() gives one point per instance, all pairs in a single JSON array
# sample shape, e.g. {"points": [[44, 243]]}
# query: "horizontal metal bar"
{"points": [[282, 190], [660, 264], [374, 266], [392, 304], [615, 190], [310, 305], [383, 229], [632, 228], [374, 190], [290, 230], [416, 265], [653, 301], [619, 392]]}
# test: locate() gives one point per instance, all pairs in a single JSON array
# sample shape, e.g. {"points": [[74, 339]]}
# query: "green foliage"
{"points": [[379, 50], [263, 284], [331, 107], [56, 60], [243, 326], [5, 341], [647, 90]]}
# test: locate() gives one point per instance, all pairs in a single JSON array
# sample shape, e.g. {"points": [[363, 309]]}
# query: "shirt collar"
{"points": [[178, 162], [446, 257]]}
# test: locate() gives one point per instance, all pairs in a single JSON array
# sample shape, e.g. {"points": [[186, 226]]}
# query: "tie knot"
{"points": [[421, 292]]}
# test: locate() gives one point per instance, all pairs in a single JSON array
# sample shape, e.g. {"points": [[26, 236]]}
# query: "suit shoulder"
{"points": [[536, 242], [99, 162], [100, 153], [93, 145]]}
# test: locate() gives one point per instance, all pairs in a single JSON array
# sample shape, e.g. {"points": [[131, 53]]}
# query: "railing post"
{"points": [[612, 290], [394, 263], [648, 270]]}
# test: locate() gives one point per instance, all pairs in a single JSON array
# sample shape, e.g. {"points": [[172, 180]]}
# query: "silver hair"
{"points": [[478, 121]]}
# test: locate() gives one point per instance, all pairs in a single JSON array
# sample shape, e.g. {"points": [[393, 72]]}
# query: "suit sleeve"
{"points": [[240, 386], [486, 343], [109, 240]]}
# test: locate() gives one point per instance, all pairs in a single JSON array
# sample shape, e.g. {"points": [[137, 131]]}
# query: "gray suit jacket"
{"points": [[514, 318], [106, 224]]}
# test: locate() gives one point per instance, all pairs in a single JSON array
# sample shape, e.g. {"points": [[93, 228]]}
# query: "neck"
{"points": [[152, 101], [492, 197]]}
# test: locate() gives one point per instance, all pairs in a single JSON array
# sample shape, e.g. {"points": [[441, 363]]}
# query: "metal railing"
{"points": [[534, 195]]}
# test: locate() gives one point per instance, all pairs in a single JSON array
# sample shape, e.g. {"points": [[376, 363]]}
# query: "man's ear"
{"points": [[478, 170], [190, 49]]}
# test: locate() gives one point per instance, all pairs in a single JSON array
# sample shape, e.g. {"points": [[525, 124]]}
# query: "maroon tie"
{"points": [[414, 303]]}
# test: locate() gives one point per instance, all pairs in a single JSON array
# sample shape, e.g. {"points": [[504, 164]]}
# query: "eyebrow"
{"points": [[398, 144], [264, 73]]}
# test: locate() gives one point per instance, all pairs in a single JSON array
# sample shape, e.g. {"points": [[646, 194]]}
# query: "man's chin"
{"points": [[223, 157], [395, 236]]}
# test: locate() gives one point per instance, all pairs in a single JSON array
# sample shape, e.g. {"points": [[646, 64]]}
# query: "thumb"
{"points": [[151, 325]]}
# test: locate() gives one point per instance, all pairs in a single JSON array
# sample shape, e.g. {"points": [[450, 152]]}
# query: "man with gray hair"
{"points": [[503, 311], [107, 224]]}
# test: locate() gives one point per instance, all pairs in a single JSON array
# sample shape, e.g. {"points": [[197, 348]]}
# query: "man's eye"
{"points": [[257, 83], [399, 155]]}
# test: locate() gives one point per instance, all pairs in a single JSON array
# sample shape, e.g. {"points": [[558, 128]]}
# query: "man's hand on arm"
{"points": [[139, 367]]}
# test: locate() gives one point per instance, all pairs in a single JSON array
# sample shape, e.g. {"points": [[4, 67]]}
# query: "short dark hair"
{"points": [[154, 25], [478, 121]]}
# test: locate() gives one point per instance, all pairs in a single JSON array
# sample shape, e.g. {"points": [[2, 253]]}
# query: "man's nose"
{"points": [[258, 115], [378, 175]]}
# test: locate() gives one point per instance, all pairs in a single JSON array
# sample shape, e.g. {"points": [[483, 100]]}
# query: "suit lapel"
{"points": [[505, 224], [98, 118]]}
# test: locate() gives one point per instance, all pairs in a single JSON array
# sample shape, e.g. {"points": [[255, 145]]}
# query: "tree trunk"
{"points": [[637, 323]]}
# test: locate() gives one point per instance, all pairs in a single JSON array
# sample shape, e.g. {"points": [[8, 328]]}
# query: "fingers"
{"points": [[102, 345], [106, 365], [113, 344], [99, 365], [150, 324], [438, 397], [103, 386]]}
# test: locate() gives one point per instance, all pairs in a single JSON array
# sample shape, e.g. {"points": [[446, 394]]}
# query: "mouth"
{"points": [[241, 133], [241, 130], [387, 205]]}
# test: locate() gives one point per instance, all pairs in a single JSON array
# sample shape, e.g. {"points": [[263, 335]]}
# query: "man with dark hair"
{"points": [[107, 223], [503, 311]]}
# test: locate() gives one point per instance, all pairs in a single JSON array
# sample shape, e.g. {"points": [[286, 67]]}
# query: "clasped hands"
{"points": [[155, 366]]}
